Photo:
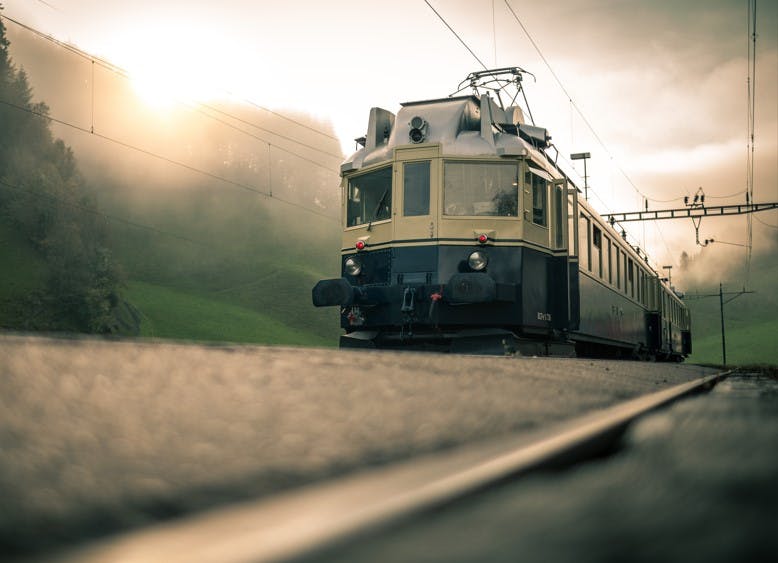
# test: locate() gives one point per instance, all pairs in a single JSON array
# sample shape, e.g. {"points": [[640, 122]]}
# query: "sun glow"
{"points": [[178, 64]]}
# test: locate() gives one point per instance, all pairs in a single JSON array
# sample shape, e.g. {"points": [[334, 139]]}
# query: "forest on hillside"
{"points": [[43, 200], [108, 231]]}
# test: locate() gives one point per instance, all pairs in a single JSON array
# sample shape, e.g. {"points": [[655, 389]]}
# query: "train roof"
{"points": [[467, 126]]}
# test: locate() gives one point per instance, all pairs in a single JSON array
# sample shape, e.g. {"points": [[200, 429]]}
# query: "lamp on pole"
{"points": [[669, 276], [583, 156]]}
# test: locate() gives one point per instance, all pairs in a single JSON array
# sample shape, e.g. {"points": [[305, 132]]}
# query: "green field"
{"points": [[747, 344], [258, 305], [171, 313]]}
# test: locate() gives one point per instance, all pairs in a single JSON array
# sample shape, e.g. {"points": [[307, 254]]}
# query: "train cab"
{"points": [[455, 232]]}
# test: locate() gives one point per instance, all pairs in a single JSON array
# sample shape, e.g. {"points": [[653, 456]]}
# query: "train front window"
{"points": [[473, 189], [369, 197], [416, 188]]}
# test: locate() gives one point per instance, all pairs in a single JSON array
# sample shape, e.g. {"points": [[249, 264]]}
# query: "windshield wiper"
{"points": [[380, 204]]}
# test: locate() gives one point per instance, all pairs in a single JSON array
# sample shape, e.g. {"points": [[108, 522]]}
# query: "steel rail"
{"points": [[306, 520]]}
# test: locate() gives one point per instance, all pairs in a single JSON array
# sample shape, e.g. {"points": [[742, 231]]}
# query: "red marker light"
{"points": [[482, 238], [360, 245]]}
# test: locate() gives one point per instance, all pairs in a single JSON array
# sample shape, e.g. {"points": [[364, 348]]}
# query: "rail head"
{"points": [[308, 519]]}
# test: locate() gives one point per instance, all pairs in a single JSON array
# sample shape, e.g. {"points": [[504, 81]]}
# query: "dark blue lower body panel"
{"points": [[431, 289], [429, 295]]}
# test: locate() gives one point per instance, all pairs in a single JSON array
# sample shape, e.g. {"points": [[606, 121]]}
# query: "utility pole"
{"points": [[720, 295], [723, 337]]}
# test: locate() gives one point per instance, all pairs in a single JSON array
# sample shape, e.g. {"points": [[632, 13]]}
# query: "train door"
{"points": [[416, 185], [573, 259], [536, 206]]}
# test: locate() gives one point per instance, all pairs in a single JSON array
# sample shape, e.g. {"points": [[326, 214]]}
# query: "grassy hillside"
{"points": [[750, 320], [171, 313], [263, 306], [746, 344]]}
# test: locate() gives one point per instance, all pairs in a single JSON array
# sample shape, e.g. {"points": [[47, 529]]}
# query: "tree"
{"points": [[43, 196]]}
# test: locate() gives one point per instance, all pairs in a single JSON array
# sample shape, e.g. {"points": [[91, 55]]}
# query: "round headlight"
{"points": [[477, 261], [352, 266]]}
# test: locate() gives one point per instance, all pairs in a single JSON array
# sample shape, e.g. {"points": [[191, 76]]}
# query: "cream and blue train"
{"points": [[460, 233]]}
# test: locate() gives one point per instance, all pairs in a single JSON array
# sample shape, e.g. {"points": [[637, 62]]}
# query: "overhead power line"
{"points": [[119, 71], [766, 224], [246, 122], [572, 102], [442, 19], [451, 29], [84, 208], [183, 165]]}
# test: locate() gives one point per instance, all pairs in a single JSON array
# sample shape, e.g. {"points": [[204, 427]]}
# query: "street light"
{"points": [[669, 275], [583, 156]]}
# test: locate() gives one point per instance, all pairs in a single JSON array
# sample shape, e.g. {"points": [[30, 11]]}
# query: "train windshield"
{"points": [[481, 189], [369, 197]]}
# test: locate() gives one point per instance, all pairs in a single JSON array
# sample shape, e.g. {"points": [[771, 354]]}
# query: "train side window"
{"points": [[416, 188], [626, 275], [571, 226], [584, 250], [640, 285], [618, 267], [483, 188], [539, 197], [597, 251], [369, 197], [637, 283], [607, 272], [559, 227], [630, 278]]}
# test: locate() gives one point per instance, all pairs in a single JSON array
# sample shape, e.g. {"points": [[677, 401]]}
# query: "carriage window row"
{"points": [[675, 311], [602, 256]]}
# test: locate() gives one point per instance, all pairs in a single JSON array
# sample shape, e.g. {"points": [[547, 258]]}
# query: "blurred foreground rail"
{"points": [[312, 519], [99, 438]]}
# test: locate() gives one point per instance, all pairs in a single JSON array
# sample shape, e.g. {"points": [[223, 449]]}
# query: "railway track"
{"points": [[299, 523]]}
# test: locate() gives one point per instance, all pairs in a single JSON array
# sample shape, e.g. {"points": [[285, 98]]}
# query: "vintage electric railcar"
{"points": [[461, 233]]}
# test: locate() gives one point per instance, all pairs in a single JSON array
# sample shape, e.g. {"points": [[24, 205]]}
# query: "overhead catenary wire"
{"points": [[247, 122], [442, 19], [572, 102], [766, 224], [451, 29], [107, 216], [126, 75], [163, 158], [120, 71], [287, 118], [48, 5], [583, 117]]}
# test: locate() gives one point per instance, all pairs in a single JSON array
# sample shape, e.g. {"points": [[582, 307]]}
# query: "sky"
{"points": [[656, 91]]}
